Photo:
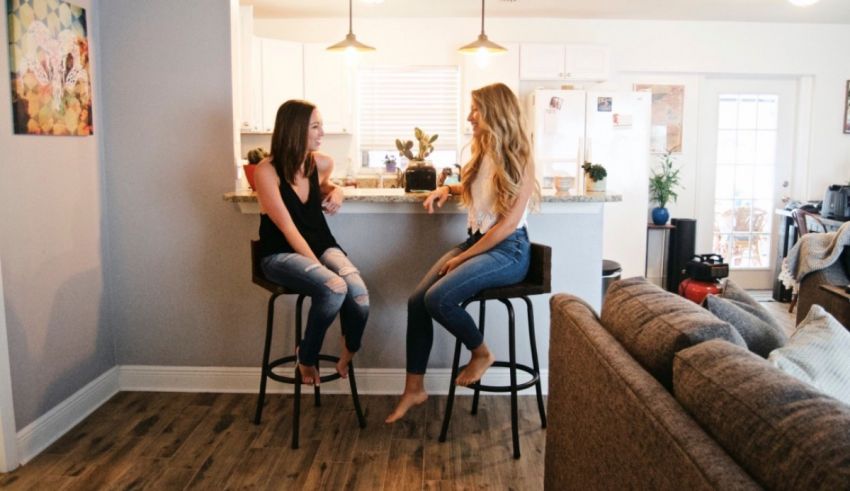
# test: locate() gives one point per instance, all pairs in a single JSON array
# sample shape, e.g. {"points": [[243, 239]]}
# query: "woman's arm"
{"points": [[268, 194], [439, 196], [504, 226], [331, 193]]}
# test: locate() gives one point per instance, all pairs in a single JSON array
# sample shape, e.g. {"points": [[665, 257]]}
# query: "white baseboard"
{"points": [[247, 380], [42, 432]]}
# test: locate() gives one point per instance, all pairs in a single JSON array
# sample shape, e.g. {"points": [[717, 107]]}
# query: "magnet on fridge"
{"points": [[621, 119]]}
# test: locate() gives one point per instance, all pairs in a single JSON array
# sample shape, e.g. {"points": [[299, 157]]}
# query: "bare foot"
{"points": [[309, 374], [345, 357], [407, 401], [481, 360]]}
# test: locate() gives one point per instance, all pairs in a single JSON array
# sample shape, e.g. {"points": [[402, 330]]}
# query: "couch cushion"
{"points": [[785, 433], [653, 324], [818, 353], [752, 321]]}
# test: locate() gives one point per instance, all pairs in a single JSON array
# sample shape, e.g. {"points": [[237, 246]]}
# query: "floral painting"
{"points": [[668, 102], [49, 68]]}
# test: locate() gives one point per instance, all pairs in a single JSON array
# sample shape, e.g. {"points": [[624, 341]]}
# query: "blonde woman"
{"points": [[497, 186]]}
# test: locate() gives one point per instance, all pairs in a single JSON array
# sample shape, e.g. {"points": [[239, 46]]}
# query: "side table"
{"points": [[665, 230]]}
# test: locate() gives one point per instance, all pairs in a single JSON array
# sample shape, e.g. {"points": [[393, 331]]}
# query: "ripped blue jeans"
{"points": [[334, 286]]}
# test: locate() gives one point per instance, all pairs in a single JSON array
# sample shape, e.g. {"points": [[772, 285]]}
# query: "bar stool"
{"points": [[268, 365], [537, 281]]}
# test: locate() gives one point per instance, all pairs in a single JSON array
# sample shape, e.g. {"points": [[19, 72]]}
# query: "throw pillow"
{"points": [[784, 433], [731, 291], [761, 334], [817, 354], [653, 324]]}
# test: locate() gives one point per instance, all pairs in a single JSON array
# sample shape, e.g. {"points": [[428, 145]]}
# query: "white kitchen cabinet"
{"points": [[502, 68], [250, 112], [281, 77], [564, 62], [327, 84]]}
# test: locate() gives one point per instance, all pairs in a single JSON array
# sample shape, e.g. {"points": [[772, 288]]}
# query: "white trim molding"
{"points": [[8, 441], [39, 434]]}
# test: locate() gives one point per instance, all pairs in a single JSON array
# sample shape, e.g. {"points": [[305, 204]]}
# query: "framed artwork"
{"points": [[668, 103], [847, 109], [49, 68]]}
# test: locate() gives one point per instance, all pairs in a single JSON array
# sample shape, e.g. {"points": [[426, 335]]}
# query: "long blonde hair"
{"points": [[503, 138]]}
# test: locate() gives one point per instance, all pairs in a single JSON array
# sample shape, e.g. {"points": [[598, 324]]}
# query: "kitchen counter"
{"points": [[359, 200]]}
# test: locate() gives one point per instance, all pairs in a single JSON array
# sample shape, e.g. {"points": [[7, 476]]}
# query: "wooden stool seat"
{"points": [[537, 281], [268, 365]]}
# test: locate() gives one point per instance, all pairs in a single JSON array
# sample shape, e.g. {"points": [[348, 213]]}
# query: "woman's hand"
{"points": [[452, 264], [333, 201], [438, 196]]}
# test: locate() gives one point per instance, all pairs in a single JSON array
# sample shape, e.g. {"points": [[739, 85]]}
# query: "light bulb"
{"points": [[482, 57], [803, 3], [351, 56]]}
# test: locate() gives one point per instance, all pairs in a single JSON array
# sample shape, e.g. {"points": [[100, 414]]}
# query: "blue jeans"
{"points": [[440, 297], [328, 296]]}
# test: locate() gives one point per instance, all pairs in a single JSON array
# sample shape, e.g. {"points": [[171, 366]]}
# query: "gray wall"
{"points": [[51, 247], [178, 254]]}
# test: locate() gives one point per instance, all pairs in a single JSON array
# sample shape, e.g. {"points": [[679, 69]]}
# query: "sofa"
{"points": [[810, 292], [658, 393]]}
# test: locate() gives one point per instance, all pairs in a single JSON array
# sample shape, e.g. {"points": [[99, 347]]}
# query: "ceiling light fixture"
{"points": [[350, 43], [482, 44], [803, 3]]}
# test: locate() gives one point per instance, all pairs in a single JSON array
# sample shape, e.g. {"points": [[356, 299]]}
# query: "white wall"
{"points": [[51, 244]]}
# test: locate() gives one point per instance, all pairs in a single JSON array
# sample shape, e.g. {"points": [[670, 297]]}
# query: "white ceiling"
{"points": [[826, 11]]}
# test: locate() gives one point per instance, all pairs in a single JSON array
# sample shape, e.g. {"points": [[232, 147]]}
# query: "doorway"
{"points": [[744, 155], [8, 436]]}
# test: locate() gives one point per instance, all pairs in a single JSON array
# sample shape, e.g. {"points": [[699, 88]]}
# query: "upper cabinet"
{"points": [[281, 77], [564, 62], [502, 68], [327, 84]]}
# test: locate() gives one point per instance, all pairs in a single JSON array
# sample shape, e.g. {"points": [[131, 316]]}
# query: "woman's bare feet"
{"points": [[481, 360], [414, 395], [345, 357], [309, 374]]}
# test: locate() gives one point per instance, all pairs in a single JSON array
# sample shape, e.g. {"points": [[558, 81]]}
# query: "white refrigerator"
{"points": [[570, 127]]}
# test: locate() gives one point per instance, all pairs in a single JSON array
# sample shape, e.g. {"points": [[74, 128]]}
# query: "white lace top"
{"points": [[482, 213]]}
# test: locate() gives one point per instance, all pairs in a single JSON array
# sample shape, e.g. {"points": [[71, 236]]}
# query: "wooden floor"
{"points": [[779, 310], [150, 440]]}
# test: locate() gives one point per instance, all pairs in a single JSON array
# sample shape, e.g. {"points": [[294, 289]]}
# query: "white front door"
{"points": [[744, 156], [8, 438]]}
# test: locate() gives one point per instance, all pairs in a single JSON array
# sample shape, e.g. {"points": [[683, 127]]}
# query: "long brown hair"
{"points": [[503, 138], [289, 140]]}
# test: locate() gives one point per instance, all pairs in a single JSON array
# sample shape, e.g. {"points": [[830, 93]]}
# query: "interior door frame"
{"points": [[8, 436], [789, 141]]}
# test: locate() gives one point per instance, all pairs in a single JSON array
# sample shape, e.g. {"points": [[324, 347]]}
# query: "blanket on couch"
{"points": [[813, 252]]}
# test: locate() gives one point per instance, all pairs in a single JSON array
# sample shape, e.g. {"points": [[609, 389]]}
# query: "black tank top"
{"points": [[308, 217]]}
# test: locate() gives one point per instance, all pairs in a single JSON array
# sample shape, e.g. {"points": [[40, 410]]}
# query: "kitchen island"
{"points": [[393, 241]]}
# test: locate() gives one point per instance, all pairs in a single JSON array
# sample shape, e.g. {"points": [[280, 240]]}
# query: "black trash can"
{"points": [[611, 271]]}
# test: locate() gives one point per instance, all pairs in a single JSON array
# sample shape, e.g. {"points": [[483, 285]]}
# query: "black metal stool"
{"points": [[268, 366], [537, 281]]}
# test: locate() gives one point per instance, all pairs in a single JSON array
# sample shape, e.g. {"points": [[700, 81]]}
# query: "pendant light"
{"points": [[350, 43], [482, 44]]}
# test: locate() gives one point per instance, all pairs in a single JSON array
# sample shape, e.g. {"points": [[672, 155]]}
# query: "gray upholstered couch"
{"points": [[690, 409]]}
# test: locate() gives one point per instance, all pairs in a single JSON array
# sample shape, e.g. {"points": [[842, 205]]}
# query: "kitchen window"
{"points": [[392, 101]]}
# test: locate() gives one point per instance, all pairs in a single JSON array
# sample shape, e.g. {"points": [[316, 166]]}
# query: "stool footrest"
{"points": [[293, 359], [507, 388]]}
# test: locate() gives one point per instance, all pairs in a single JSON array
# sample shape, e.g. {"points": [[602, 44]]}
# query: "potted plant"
{"points": [[662, 188], [390, 163], [419, 176], [255, 156], [594, 177]]}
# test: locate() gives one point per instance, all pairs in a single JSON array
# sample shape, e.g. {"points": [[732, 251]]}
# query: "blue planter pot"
{"points": [[660, 216]]}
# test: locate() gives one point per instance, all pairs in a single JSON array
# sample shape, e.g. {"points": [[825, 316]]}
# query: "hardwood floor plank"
{"points": [[208, 441]]}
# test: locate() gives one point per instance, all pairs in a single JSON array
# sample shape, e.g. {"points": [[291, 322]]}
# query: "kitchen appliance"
{"points": [[420, 177], [836, 202], [569, 127]]}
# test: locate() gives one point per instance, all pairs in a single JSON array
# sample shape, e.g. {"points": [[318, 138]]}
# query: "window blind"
{"points": [[392, 101]]}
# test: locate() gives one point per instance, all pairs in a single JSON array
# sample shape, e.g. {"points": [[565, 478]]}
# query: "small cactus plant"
{"points": [[426, 145], [256, 155]]}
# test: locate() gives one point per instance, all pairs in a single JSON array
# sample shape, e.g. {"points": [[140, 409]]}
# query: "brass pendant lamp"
{"points": [[482, 44], [350, 43]]}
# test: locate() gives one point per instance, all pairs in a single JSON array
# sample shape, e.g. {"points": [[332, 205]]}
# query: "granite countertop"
{"points": [[395, 195]]}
